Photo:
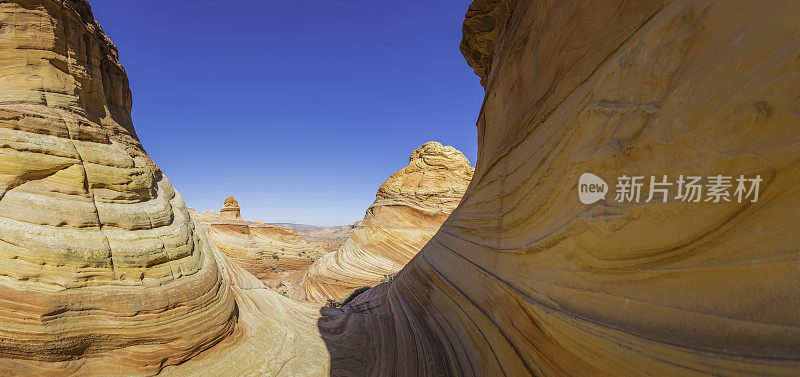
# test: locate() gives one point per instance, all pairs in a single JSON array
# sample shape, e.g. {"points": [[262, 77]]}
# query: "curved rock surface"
{"points": [[95, 241], [408, 210], [101, 269], [523, 279]]}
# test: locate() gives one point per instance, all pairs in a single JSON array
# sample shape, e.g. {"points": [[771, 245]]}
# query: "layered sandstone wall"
{"points": [[408, 210], [523, 279], [101, 268], [95, 241]]}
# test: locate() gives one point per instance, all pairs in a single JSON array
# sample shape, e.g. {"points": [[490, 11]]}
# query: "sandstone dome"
{"points": [[408, 210]]}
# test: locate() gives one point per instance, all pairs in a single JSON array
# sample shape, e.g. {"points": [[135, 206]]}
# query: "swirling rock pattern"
{"points": [[97, 251], [408, 210], [101, 268], [523, 279]]}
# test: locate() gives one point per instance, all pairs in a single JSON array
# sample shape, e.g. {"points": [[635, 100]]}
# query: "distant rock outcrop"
{"points": [[230, 212], [408, 210], [324, 239], [272, 253]]}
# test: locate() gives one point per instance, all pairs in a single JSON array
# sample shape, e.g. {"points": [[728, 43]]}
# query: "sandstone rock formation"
{"points": [[408, 210], [523, 279], [101, 269], [322, 239], [271, 253], [230, 212]]}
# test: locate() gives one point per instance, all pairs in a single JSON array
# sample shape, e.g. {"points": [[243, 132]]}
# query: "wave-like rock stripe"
{"points": [[408, 210], [523, 279], [97, 251], [101, 268]]}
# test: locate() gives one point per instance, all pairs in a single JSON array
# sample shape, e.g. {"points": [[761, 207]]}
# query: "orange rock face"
{"points": [[408, 210]]}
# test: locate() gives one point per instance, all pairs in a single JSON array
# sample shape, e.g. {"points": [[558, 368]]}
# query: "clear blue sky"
{"points": [[299, 109]]}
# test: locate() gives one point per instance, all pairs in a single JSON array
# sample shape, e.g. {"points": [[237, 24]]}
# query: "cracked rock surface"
{"points": [[102, 270]]}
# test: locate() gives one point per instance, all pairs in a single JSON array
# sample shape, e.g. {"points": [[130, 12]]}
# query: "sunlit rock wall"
{"points": [[101, 268], [524, 279]]}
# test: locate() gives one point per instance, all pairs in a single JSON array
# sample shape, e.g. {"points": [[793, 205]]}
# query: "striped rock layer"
{"points": [[97, 251], [269, 252], [101, 269], [523, 279], [408, 210]]}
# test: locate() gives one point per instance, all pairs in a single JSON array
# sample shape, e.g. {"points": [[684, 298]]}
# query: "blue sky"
{"points": [[298, 109]]}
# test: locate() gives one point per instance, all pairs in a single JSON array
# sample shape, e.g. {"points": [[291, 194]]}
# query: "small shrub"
{"points": [[275, 256], [344, 301], [388, 278]]}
